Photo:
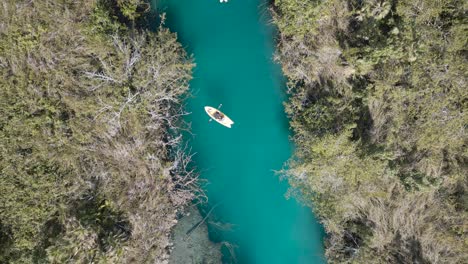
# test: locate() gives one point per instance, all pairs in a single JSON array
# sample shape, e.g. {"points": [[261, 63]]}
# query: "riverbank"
{"points": [[378, 109], [190, 241], [91, 166]]}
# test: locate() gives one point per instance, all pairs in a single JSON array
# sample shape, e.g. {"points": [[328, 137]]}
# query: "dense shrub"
{"points": [[89, 133], [378, 108]]}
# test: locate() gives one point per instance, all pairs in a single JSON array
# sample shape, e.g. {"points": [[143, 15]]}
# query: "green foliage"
{"points": [[129, 8], [88, 134], [378, 107]]}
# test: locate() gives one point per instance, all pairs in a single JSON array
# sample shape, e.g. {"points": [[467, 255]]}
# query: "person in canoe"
{"points": [[218, 115]]}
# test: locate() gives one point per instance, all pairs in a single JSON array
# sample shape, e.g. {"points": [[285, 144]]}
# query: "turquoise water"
{"points": [[233, 45]]}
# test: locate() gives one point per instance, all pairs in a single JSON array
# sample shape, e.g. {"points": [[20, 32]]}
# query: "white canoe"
{"points": [[219, 116]]}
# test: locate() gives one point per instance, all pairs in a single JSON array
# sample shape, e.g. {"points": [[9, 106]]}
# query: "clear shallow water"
{"points": [[233, 45]]}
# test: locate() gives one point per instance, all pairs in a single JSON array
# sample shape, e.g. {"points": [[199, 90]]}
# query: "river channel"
{"points": [[233, 45]]}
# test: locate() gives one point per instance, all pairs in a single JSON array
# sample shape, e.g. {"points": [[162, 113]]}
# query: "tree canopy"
{"points": [[91, 166], [378, 106]]}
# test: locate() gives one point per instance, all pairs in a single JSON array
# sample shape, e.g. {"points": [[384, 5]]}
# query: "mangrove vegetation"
{"points": [[92, 169], [378, 108]]}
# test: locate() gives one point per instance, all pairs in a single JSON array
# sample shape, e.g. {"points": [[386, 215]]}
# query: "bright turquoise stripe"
{"points": [[233, 45]]}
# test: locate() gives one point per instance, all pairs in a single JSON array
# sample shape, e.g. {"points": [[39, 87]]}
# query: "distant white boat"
{"points": [[219, 116]]}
